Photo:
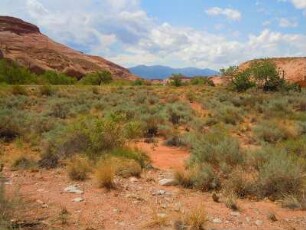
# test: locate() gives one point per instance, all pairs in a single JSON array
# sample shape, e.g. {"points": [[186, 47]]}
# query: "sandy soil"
{"points": [[136, 202]]}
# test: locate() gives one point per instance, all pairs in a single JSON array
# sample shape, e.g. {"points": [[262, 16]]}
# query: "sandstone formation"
{"points": [[293, 68], [22, 42]]}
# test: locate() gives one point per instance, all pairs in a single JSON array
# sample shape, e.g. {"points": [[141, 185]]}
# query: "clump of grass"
{"points": [[105, 174], [196, 218], [22, 161], [201, 177], [281, 174], [158, 220], [63, 216], [241, 183], [78, 168], [231, 202], [46, 90], [270, 132], [291, 202], [19, 90], [126, 167]]}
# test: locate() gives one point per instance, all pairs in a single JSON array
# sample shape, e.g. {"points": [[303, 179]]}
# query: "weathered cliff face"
{"points": [[293, 68], [22, 42]]}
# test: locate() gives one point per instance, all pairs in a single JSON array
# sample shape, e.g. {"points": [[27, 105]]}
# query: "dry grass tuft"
{"points": [[196, 218], [78, 168], [105, 174]]}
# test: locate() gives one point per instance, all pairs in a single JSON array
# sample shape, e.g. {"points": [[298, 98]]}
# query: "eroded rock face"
{"points": [[24, 43], [17, 26]]}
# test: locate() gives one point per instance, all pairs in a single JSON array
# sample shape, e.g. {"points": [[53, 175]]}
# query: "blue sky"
{"points": [[178, 33]]}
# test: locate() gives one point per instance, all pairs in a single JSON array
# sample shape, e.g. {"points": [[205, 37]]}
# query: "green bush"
{"points": [[216, 148], [270, 132], [55, 78], [281, 174], [97, 78], [46, 90], [14, 74]]}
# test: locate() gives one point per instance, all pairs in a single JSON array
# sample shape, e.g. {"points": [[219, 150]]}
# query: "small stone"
{"points": [[258, 222], [73, 189], [162, 215], [248, 219], [133, 180], [45, 206], [235, 214], [78, 200], [168, 182], [217, 221]]}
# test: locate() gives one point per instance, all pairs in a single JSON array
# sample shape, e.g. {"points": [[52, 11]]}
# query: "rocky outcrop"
{"points": [[17, 26], [22, 42]]}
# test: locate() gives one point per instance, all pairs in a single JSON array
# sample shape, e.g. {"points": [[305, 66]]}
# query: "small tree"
{"points": [[242, 81], [176, 80], [97, 78], [230, 71]]}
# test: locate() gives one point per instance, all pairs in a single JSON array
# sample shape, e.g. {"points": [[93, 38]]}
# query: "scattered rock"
{"points": [[217, 221], [235, 214], [272, 217], [73, 189], [133, 180], [162, 215], [258, 222], [168, 182], [161, 193], [215, 197], [78, 200]]}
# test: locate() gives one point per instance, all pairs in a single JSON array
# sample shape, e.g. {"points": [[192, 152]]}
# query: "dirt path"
{"points": [[164, 157]]}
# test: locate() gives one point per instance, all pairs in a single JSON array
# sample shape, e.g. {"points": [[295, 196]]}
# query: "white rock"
{"points": [[217, 221], [78, 200], [168, 182], [73, 189], [258, 222], [235, 214], [133, 179]]}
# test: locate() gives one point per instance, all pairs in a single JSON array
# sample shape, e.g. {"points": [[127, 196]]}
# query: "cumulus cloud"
{"points": [[286, 22], [123, 32], [231, 14]]}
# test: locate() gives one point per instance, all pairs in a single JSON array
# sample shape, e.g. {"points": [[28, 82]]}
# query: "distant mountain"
{"points": [[161, 72]]}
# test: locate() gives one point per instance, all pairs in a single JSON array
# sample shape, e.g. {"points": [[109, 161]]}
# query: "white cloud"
{"points": [[299, 4], [231, 14], [285, 23], [125, 34]]}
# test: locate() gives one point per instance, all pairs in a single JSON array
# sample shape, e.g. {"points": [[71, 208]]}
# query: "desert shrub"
{"points": [[201, 81], [55, 78], [280, 174], [78, 168], [201, 177], [175, 141], [133, 130], [242, 81], [22, 161], [12, 73], [19, 90], [104, 135], [10, 124], [195, 219], [295, 147], [270, 132], [216, 148], [231, 202], [46, 90], [229, 115], [59, 110], [97, 78], [240, 183], [49, 160], [176, 80], [140, 157], [105, 175], [126, 167]]}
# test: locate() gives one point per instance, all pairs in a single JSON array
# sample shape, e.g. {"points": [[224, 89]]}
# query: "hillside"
{"points": [[23, 42], [162, 72], [293, 68]]}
